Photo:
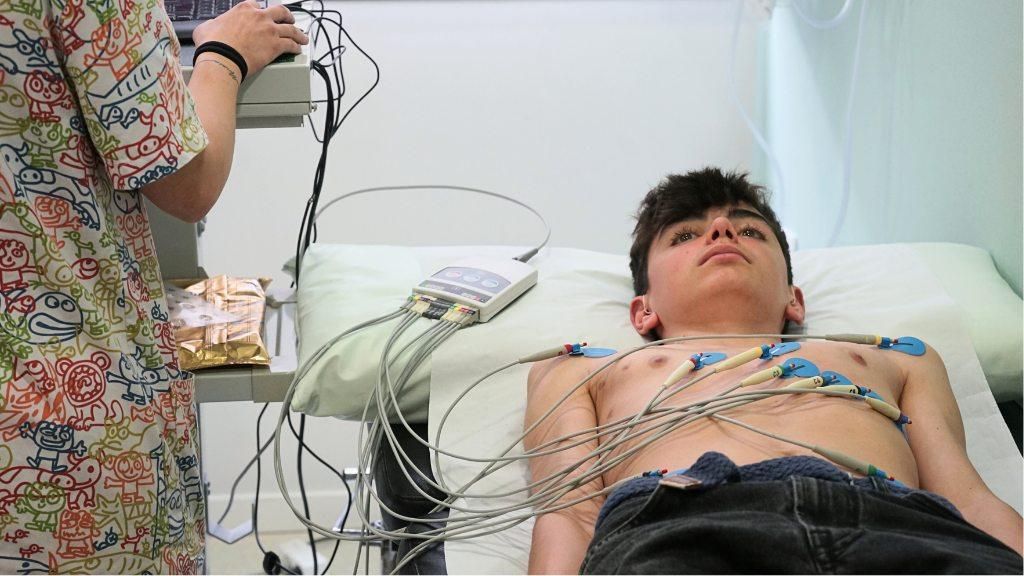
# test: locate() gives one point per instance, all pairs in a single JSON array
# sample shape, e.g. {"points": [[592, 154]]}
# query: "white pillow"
{"points": [[343, 285], [992, 311]]}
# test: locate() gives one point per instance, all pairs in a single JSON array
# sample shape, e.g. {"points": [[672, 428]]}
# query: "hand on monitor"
{"points": [[259, 34]]}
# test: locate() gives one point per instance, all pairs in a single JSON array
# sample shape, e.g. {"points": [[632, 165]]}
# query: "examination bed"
{"points": [[894, 290]]}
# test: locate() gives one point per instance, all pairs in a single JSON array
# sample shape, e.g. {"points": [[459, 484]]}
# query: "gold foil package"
{"points": [[217, 321]]}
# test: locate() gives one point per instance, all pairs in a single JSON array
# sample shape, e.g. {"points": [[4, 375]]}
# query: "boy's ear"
{"points": [[795, 311], [644, 320]]}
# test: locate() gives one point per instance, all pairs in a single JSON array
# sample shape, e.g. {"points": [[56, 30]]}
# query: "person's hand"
{"points": [[259, 35]]}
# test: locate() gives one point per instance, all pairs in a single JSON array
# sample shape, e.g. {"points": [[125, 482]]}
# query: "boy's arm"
{"points": [[560, 538], [937, 440]]}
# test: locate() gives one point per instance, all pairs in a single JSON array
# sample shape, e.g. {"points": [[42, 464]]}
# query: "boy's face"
{"points": [[727, 256]]}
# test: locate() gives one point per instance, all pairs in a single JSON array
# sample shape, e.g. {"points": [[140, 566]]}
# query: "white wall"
{"points": [[936, 119], [575, 107]]}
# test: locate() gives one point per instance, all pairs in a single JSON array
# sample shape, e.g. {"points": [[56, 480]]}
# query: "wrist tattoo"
{"points": [[234, 76]]}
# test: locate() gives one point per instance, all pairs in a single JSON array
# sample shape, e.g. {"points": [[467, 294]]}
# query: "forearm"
{"points": [[191, 192], [214, 86], [996, 518], [559, 544], [940, 448], [561, 537]]}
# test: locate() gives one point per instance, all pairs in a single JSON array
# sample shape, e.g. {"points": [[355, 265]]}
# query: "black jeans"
{"points": [[795, 525]]}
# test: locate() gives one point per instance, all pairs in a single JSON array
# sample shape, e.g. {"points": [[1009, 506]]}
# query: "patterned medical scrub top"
{"points": [[98, 439]]}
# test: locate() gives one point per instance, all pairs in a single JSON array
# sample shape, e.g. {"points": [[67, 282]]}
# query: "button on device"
{"points": [[453, 274], [471, 278], [489, 284]]}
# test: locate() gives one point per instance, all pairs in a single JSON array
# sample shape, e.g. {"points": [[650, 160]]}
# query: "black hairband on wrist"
{"points": [[225, 51]]}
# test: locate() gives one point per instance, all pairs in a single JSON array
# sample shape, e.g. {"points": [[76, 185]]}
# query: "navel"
{"points": [[858, 358]]}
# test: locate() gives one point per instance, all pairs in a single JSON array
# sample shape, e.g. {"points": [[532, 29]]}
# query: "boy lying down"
{"points": [[719, 495]]}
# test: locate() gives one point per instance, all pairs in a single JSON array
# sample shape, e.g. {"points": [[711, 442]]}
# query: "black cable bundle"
{"points": [[271, 561], [328, 67]]}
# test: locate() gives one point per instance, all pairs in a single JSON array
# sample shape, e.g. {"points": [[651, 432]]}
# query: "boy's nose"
{"points": [[720, 227]]}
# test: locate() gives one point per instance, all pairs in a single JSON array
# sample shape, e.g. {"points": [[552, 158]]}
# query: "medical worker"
{"points": [[99, 463]]}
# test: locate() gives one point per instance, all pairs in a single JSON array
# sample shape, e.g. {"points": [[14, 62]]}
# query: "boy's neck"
{"points": [[723, 328]]}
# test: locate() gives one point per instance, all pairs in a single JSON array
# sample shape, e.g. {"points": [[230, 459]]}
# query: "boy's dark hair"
{"points": [[691, 195]]}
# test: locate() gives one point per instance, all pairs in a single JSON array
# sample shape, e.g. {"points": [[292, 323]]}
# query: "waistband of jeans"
{"points": [[713, 469]]}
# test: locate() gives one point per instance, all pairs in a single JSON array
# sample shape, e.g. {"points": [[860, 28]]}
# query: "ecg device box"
{"points": [[486, 284], [278, 96]]}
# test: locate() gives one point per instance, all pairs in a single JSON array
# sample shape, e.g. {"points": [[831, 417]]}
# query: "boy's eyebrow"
{"points": [[733, 213], [748, 213]]}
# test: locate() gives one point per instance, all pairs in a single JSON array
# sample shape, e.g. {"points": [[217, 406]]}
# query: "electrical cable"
{"points": [[328, 68], [822, 24], [317, 67], [256, 500], [760, 394], [847, 158], [238, 479], [302, 446], [271, 561], [341, 525], [522, 257], [299, 375], [302, 486], [319, 20], [308, 225], [844, 201], [311, 452], [363, 510], [643, 427], [359, 553], [318, 186], [762, 143]]}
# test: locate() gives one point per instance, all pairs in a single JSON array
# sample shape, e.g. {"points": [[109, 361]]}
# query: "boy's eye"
{"points": [[752, 232], [682, 236]]}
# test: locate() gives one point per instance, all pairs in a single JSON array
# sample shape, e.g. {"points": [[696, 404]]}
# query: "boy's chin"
{"points": [[726, 280]]}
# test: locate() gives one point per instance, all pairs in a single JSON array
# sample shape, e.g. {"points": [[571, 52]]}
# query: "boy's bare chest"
{"points": [[629, 385], [838, 423]]}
